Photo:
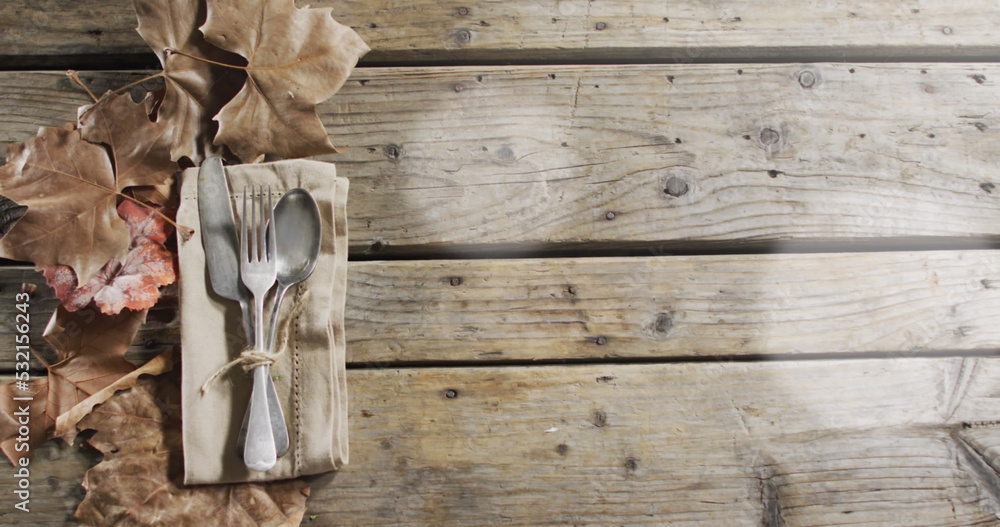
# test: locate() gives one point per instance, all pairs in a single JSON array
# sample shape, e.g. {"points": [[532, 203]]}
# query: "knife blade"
{"points": [[218, 237], [218, 228]]}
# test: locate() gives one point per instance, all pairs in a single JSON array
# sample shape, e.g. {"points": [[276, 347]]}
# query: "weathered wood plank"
{"points": [[654, 307], [507, 161], [47, 32], [775, 443]]}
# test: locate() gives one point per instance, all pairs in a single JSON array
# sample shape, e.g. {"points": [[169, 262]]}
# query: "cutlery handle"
{"points": [[278, 427], [258, 326], [279, 295], [259, 453], [247, 322]]}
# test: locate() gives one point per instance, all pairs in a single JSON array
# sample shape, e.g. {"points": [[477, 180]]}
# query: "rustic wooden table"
{"points": [[725, 263]]}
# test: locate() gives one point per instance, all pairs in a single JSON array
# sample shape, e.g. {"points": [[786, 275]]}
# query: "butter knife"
{"points": [[218, 237]]}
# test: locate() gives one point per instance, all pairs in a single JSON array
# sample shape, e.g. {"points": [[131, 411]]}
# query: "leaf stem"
{"points": [[140, 81], [173, 51], [182, 230], [76, 79]]}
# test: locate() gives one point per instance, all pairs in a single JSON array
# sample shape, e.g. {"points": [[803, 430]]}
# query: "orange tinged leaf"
{"points": [[133, 283]]}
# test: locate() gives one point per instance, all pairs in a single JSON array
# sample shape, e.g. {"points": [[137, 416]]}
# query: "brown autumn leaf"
{"points": [[90, 349], [69, 189], [139, 480], [297, 58], [139, 147], [12, 411], [195, 89], [65, 426], [134, 282]]}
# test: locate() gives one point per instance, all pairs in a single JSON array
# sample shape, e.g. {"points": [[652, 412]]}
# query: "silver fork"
{"points": [[258, 271]]}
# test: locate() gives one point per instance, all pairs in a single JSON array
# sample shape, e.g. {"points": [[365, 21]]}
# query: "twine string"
{"points": [[249, 359]]}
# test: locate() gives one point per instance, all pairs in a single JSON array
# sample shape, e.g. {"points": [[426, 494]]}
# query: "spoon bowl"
{"points": [[298, 234]]}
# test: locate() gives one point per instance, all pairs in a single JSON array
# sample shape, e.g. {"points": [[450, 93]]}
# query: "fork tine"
{"points": [[254, 253], [243, 228], [263, 224], [272, 242]]}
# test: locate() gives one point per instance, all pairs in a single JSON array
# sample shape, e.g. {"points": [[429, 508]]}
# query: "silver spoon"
{"points": [[299, 231]]}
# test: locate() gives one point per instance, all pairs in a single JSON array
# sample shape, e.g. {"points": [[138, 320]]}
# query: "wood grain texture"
{"points": [[447, 161], [657, 307], [776, 443], [40, 32], [783, 305]]}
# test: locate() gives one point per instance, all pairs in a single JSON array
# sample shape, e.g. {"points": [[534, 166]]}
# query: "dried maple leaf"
{"points": [[140, 148], [135, 281], [138, 482], [11, 411], [67, 421], [69, 189], [296, 58], [90, 348], [195, 89]]}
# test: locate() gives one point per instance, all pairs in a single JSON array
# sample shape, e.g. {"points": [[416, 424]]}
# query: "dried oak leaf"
{"points": [[12, 412], [90, 349], [296, 58], [138, 482], [135, 281], [69, 189], [139, 148], [195, 90]]}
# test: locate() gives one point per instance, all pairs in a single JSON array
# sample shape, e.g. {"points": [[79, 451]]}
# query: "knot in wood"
{"points": [[769, 136], [807, 79], [663, 323], [676, 187], [463, 36]]}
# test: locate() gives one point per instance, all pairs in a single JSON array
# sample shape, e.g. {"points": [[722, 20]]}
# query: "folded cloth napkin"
{"points": [[309, 370]]}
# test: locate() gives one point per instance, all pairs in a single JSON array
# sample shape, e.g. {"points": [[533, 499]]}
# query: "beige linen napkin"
{"points": [[309, 372]]}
